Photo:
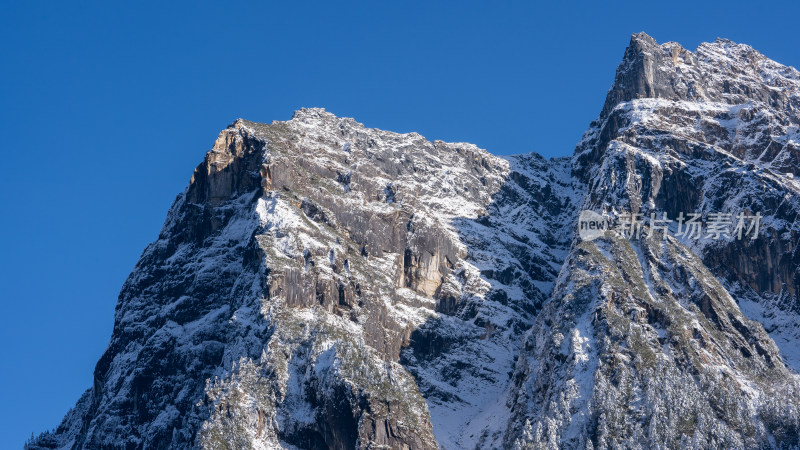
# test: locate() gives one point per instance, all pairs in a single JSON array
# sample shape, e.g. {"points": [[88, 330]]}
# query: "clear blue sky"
{"points": [[105, 111]]}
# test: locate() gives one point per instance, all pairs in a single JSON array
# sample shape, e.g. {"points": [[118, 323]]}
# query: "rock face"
{"points": [[660, 341], [320, 284]]}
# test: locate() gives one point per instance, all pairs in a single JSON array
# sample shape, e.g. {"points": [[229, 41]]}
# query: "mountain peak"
{"points": [[320, 284], [314, 114], [644, 72], [642, 38], [721, 71]]}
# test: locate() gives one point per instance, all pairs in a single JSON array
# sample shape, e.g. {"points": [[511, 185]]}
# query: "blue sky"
{"points": [[106, 109]]}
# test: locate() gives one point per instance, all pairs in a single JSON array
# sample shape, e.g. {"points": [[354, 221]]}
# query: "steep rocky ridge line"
{"points": [[657, 341], [301, 260]]}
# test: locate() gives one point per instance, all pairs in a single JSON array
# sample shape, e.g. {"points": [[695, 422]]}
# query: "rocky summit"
{"points": [[320, 284]]}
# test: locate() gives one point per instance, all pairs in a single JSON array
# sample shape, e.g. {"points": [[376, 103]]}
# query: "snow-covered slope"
{"points": [[321, 284], [660, 341]]}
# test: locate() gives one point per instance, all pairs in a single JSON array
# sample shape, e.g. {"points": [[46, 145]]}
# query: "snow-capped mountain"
{"points": [[320, 284]]}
